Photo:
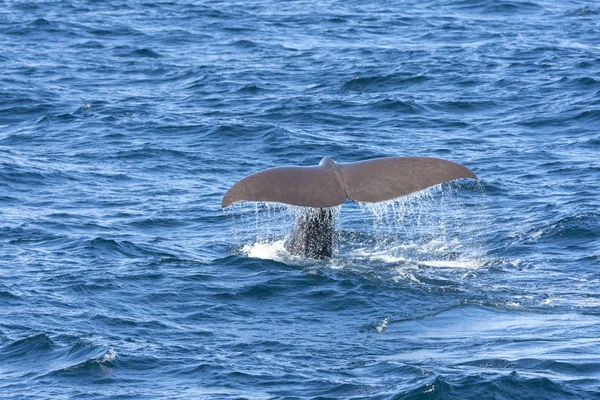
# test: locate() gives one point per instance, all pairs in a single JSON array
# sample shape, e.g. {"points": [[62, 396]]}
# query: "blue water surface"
{"points": [[123, 123]]}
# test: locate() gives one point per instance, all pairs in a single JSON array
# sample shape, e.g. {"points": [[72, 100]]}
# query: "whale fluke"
{"points": [[330, 184]]}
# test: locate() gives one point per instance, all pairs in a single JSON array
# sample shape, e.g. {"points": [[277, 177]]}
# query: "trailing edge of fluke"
{"points": [[330, 184]]}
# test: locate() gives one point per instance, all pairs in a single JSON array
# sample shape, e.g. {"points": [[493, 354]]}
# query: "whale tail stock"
{"points": [[330, 184]]}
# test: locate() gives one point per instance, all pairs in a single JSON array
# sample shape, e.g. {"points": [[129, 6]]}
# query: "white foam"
{"points": [[435, 253], [109, 356], [382, 325], [552, 300], [387, 258], [266, 250], [462, 263]]}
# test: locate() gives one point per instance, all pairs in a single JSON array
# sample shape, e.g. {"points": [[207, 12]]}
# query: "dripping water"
{"points": [[433, 227]]}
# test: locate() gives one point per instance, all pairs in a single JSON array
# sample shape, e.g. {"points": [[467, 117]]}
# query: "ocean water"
{"points": [[123, 123]]}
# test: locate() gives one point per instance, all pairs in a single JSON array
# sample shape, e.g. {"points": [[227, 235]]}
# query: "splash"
{"points": [[265, 250], [425, 229], [264, 227], [431, 228]]}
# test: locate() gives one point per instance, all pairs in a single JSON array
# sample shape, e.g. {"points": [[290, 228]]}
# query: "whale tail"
{"points": [[330, 184]]}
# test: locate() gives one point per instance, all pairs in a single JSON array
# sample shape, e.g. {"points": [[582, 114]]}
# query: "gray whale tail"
{"points": [[330, 184]]}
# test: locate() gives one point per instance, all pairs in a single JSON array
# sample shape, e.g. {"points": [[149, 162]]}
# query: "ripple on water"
{"points": [[122, 124]]}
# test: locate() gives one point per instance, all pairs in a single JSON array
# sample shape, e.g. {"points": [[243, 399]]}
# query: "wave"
{"points": [[262, 132], [38, 356], [144, 53], [584, 12], [397, 106], [110, 247], [584, 226], [244, 44], [15, 235], [385, 83], [580, 228], [90, 365], [572, 368], [8, 296], [252, 89], [39, 342], [509, 386], [123, 321]]}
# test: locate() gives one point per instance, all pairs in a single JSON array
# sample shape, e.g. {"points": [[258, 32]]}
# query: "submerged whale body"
{"points": [[329, 184]]}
